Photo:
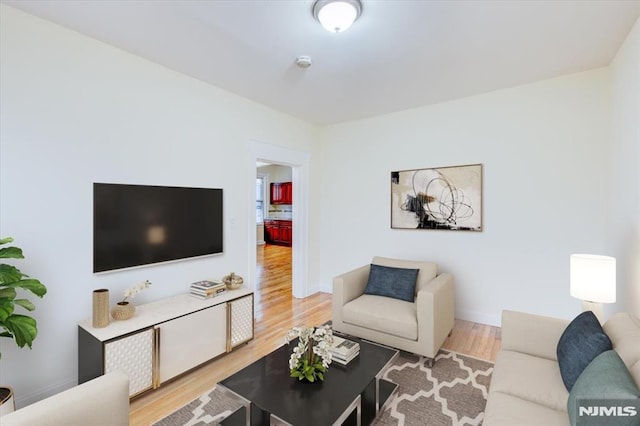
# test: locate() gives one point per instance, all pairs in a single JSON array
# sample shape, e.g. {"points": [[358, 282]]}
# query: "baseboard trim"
{"points": [[479, 317]]}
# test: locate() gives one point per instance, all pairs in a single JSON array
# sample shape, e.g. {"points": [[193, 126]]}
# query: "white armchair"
{"points": [[420, 327]]}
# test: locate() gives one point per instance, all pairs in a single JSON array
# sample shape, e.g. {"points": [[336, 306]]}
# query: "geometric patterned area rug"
{"points": [[210, 409], [453, 392]]}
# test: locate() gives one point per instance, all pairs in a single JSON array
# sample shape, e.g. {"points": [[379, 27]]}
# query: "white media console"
{"points": [[166, 338]]}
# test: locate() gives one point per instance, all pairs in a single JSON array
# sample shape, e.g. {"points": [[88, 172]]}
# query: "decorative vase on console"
{"points": [[311, 357], [100, 317], [125, 309], [232, 281]]}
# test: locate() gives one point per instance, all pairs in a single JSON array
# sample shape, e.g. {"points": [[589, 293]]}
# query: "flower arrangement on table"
{"points": [[311, 357]]}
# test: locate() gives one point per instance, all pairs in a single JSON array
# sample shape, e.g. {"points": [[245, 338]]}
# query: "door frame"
{"points": [[299, 163]]}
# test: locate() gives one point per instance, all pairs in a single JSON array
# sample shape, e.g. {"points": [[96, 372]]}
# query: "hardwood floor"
{"points": [[276, 311]]}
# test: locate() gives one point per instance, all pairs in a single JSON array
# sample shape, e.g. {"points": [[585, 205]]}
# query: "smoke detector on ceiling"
{"points": [[303, 61]]}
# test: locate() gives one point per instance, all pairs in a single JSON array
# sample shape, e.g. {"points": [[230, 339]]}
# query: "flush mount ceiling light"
{"points": [[337, 15]]}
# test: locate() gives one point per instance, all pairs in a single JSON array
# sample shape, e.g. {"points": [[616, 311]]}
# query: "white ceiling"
{"points": [[400, 54]]}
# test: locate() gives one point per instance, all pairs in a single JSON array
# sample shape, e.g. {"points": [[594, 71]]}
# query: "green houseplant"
{"points": [[23, 329]]}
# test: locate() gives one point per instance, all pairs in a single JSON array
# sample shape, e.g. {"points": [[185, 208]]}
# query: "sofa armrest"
{"points": [[350, 285], [103, 401], [532, 334], [436, 311], [347, 287]]}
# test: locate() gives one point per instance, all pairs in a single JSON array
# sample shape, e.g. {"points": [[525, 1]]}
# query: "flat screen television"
{"points": [[135, 225]]}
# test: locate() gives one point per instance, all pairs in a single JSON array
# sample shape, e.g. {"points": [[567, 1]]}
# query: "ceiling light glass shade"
{"points": [[593, 278], [337, 15]]}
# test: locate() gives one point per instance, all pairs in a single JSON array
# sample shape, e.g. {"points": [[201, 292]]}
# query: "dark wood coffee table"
{"points": [[351, 394]]}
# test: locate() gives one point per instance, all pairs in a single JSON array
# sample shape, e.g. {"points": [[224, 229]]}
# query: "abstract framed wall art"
{"points": [[439, 198]]}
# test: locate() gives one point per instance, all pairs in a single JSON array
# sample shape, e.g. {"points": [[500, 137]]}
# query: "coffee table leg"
{"points": [[277, 421], [245, 402], [378, 378], [357, 405]]}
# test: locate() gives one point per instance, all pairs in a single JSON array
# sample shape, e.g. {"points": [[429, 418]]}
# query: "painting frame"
{"points": [[438, 198]]}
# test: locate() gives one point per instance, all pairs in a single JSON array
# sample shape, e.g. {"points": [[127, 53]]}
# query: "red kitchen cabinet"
{"points": [[281, 193], [278, 232]]}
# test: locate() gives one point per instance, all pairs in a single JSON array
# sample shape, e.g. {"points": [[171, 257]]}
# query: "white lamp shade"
{"points": [[337, 15], [593, 278]]}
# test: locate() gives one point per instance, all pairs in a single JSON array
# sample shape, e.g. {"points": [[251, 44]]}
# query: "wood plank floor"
{"points": [[276, 311]]}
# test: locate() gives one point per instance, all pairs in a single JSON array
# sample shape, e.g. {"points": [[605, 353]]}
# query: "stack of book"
{"points": [[207, 289], [343, 350]]}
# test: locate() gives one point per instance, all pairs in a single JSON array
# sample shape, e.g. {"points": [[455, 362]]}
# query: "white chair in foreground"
{"points": [[103, 401]]}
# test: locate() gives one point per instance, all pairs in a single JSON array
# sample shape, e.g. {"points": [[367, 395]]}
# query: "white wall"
{"points": [[542, 150], [623, 190], [76, 111]]}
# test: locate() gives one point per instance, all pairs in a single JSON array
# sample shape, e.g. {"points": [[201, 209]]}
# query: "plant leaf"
{"points": [[8, 293], [9, 274], [23, 328], [32, 285], [25, 304], [6, 240], [6, 309], [11, 253]]}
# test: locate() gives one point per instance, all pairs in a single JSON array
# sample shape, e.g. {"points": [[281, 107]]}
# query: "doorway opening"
{"points": [[298, 163], [274, 204]]}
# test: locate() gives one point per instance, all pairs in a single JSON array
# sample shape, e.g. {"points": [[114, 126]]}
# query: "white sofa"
{"points": [[420, 327], [526, 386], [103, 401]]}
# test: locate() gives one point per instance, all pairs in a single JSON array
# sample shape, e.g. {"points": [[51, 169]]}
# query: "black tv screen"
{"points": [[136, 225]]}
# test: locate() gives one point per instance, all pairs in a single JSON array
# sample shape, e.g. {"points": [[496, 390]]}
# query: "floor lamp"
{"points": [[593, 280]]}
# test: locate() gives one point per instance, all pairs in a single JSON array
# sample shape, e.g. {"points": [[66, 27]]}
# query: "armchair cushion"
{"points": [[390, 316], [397, 283]]}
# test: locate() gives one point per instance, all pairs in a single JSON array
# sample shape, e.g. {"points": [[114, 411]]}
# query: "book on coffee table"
{"points": [[343, 361], [343, 350]]}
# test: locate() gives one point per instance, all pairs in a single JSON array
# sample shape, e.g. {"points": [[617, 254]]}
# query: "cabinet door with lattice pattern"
{"points": [[133, 356], [240, 321]]}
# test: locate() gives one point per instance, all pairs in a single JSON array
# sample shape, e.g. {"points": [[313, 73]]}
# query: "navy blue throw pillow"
{"points": [[582, 341], [399, 283]]}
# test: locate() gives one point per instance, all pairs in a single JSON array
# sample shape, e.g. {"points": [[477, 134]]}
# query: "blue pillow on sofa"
{"points": [[582, 341], [398, 283]]}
